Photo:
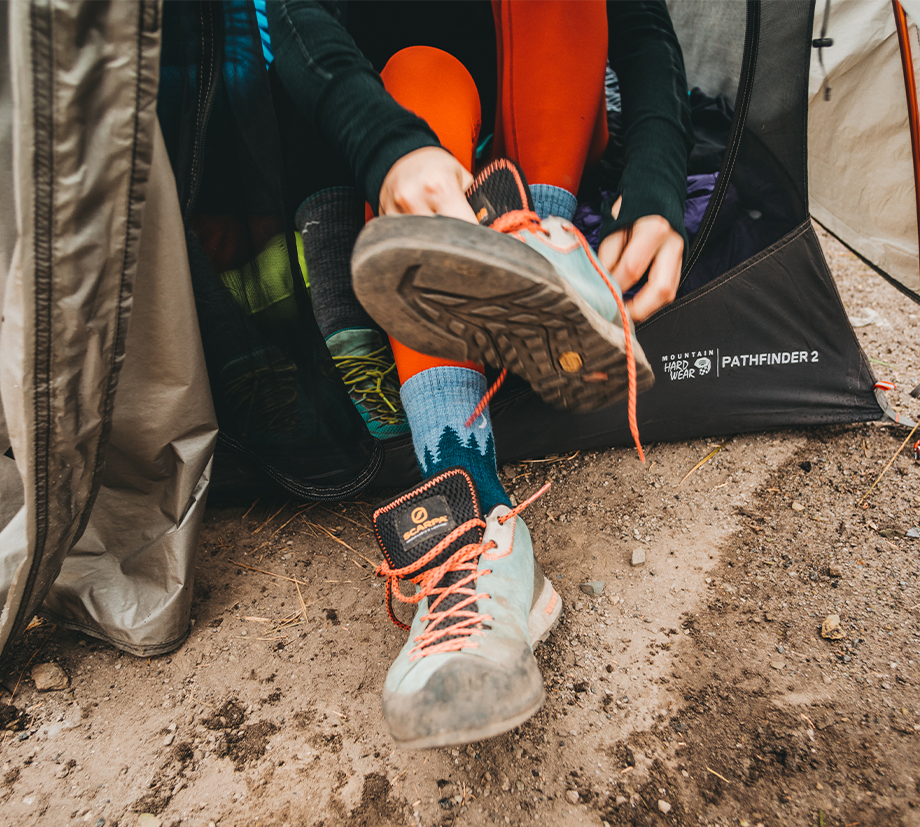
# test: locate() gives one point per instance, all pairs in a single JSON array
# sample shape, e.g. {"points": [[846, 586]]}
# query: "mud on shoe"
{"points": [[467, 671], [530, 296]]}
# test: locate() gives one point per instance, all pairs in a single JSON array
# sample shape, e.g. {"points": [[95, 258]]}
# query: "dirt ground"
{"points": [[696, 689]]}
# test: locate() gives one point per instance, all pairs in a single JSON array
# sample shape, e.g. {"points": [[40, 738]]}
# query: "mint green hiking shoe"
{"points": [[467, 671], [366, 364], [531, 297]]}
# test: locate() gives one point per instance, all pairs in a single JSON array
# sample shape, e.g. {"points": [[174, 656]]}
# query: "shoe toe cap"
{"points": [[466, 699]]}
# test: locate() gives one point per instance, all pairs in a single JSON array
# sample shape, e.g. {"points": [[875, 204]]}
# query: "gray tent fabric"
{"points": [[7, 220], [113, 484], [861, 175]]}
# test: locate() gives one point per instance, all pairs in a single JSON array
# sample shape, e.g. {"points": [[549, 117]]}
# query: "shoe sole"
{"points": [[449, 289], [544, 617]]}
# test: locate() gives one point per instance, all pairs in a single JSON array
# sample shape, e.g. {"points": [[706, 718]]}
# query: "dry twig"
{"points": [[703, 461], [343, 543], [254, 504], [270, 518], [890, 463], [269, 573]]}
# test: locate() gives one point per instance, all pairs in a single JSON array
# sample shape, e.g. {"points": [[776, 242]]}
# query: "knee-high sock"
{"points": [[329, 223], [551, 115], [437, 87], [438, 396]]}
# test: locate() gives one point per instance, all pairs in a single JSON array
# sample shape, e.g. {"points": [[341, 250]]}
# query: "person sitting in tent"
{"points": [[551, 311]]}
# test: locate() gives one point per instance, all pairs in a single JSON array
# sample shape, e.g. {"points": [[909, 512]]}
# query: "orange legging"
{"points": [[551, 115]]}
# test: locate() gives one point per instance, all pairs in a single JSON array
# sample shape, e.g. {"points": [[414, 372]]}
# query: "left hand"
{"points": [[650, 242]]}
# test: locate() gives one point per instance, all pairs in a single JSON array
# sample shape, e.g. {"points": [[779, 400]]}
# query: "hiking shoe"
{"points": [[467, 671], [532, 297], [261, 395], [369, 373]]}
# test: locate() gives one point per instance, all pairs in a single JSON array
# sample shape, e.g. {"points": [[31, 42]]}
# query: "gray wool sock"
{"points": [[549, 200], [329, 223]]}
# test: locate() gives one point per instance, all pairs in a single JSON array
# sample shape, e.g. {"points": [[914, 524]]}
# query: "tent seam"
{"points": [[118, 350]]}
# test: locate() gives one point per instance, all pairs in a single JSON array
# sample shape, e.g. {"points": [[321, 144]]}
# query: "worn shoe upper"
{"points": [[467, 671]]}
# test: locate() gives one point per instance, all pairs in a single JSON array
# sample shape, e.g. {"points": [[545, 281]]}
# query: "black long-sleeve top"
{"points": [[339, 91]]}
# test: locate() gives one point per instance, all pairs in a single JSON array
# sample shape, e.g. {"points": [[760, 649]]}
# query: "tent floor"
{"points": [[699, 679]]}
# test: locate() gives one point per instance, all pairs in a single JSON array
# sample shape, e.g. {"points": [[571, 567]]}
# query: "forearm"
{"points": [[646, 56], [339, 92]]}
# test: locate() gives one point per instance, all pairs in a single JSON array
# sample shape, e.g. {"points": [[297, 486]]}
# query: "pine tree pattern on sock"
{"points": [[437, 403], [482, 467]]}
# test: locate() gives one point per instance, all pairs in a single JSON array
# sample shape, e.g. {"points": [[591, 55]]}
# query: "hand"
{"points": [[629, 252], [427, 181]]}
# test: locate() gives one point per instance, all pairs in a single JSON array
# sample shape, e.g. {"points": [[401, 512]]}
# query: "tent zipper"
{"points": [[742, 103], [212, 52]]}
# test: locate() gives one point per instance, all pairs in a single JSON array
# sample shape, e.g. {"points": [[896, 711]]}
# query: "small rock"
{"points": [[913, 533], [572, 796], [594, 588], [506, 783], [664, 806], [830, 629], [797, 506], [638, 557], [100, 822], [148, 820], [520, 786], [834, 570], [49, 677], [621, 800], [167, 741], [777, 664]]}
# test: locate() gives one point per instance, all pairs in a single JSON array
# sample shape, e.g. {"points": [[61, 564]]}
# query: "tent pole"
{"points": [[910, 84]]}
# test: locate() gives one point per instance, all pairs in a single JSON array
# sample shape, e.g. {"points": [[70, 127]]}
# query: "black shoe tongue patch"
{"points": [[428, 518], [413, 523], [500, 188]]}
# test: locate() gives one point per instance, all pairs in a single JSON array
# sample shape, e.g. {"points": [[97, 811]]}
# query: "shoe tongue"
{"points": [[500, 188], [354, 341], [413, 523]]}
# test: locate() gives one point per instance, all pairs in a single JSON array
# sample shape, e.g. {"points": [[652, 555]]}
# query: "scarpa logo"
{"points": [[419, 515], [703, 365]]}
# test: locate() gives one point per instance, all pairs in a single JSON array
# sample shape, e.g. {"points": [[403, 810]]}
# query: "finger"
{"points": [[641, 248], [612, 248], [663, 280], [453, 204]]}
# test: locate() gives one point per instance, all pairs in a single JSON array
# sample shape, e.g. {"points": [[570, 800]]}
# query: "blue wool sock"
{"points": [[549, 200], [437, 402]]}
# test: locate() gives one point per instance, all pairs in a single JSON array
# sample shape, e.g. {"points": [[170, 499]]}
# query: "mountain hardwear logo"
{"points": [[703, 365]]}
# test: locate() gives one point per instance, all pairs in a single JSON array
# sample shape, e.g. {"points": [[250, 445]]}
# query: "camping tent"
{"points": [[864, 133], [101, 494]]}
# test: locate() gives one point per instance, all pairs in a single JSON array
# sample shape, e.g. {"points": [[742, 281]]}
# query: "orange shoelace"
{"points": [[459, 623], [514, 223]]}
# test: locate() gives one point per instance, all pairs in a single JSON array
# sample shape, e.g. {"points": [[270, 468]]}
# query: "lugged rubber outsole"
{"points": [[451, 289]]}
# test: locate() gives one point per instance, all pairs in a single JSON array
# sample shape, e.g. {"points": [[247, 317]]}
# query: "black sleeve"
{"points": [[338, 91], [646, 56]]}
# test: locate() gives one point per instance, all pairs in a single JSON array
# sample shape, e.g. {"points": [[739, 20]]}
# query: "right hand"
{"points": [[427, 181]]}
